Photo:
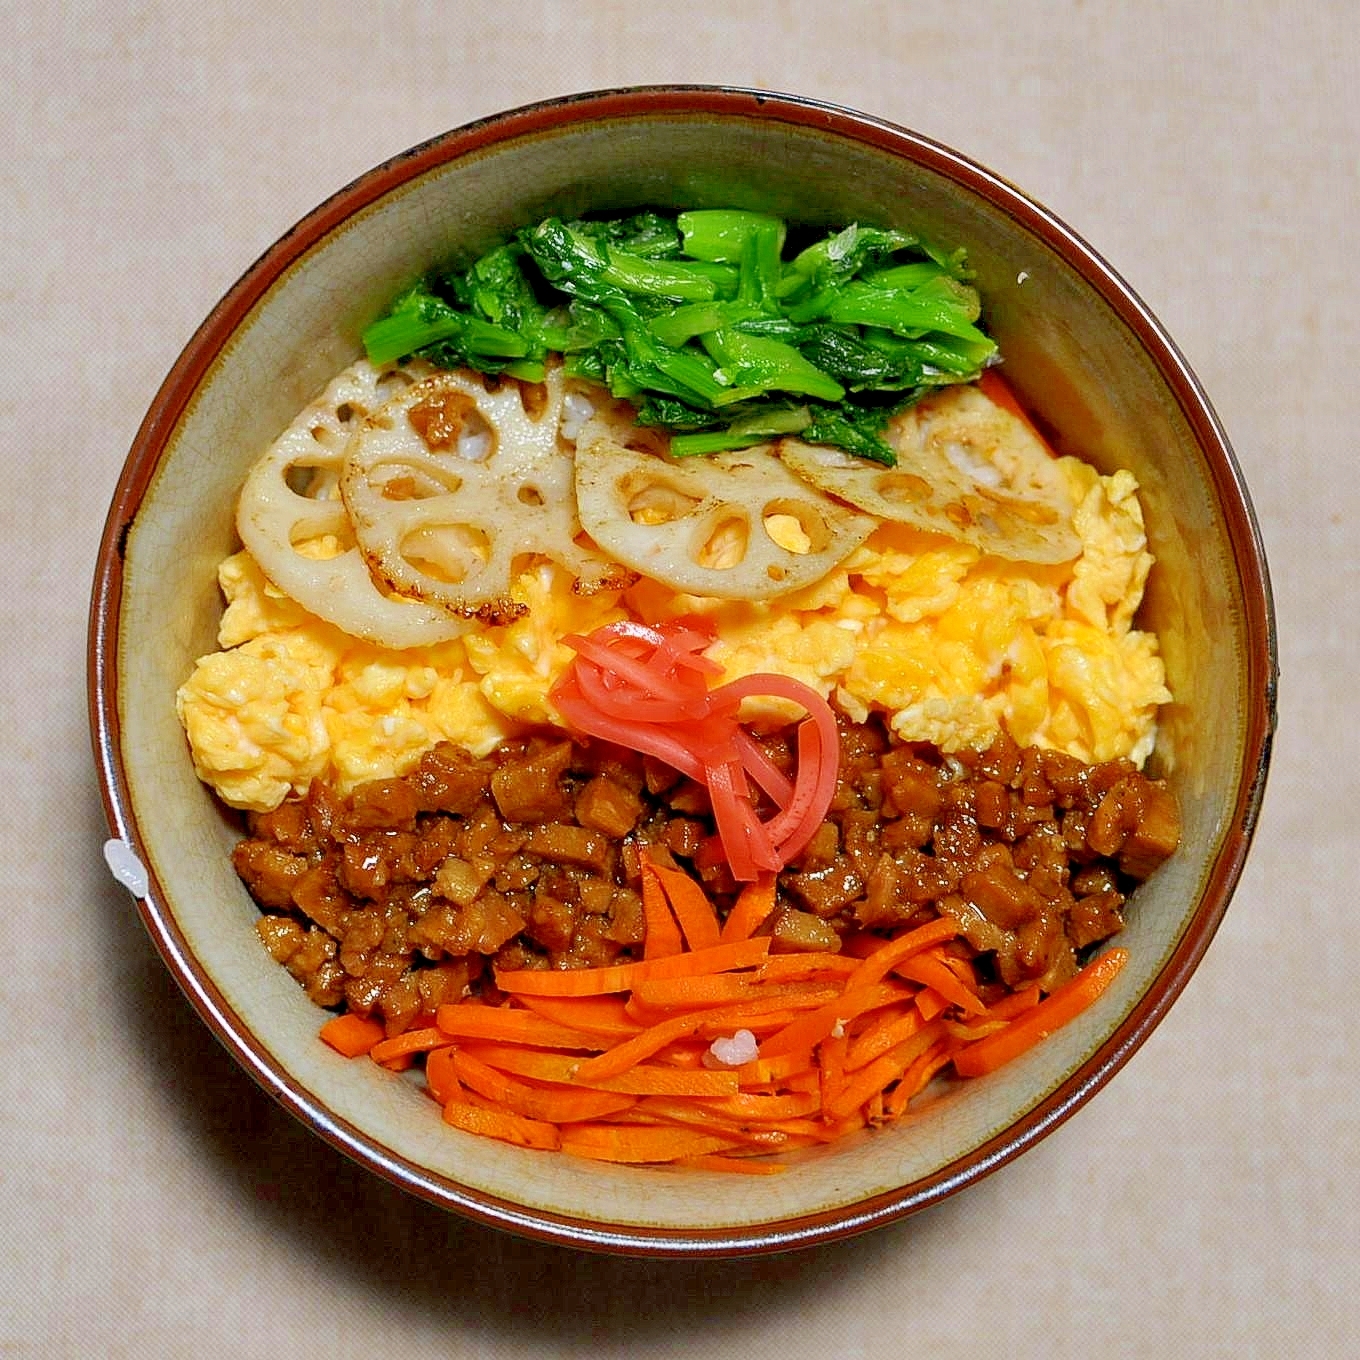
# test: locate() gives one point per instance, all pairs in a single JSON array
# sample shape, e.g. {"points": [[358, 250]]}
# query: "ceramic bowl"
{"points": [[1084, 353]]}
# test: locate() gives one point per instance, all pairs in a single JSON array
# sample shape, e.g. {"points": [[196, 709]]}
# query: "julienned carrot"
{"points": [[441, 1076], [1054, 1011], [753, 905], [818, 964], [929, 1003], [460, 1021], [661, 994], [930, 970], [808, 1030], [509, 1128], [412, 1041], [916, 1078], [763, 1071], [351, 1035], [877, 965], [620, 1064], [623, 977], [663, 936], [552, 1105], [642, 1080], [693, 910], [601, 1015], [640, 1142], [892, 1026], [831, 1063], [653, 1039]]}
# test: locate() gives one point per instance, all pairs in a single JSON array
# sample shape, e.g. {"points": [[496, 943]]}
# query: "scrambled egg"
{"points": [[951, 644]]}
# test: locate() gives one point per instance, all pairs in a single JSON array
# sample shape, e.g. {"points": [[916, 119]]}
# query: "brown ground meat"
{"points": [[395, 899]]}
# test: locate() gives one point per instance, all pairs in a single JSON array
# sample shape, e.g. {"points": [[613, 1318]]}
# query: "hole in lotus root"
{"points": [[796, 527], [652, 501], [449, 553], [905, 488], [725, 547], [534, 397]]}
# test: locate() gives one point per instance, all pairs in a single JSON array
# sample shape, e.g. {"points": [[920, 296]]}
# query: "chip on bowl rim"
{"points": [[175, 398]]}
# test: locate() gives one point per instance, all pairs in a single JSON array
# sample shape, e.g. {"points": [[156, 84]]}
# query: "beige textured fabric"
{"points": [[153, 1202]]}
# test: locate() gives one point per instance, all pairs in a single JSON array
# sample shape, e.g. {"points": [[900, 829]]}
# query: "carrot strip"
{"points": [[924, 1067], [412, 1041], [793, 1105], [831, 1062], [693, 910], [863, 1084], [461, 1021], [553, 1105], [927, 969], [640, 1080], [763, 1071], [665, 994], [441, 1076], [351, 1035], [663, 931], [930, 1003], [509, 1128], [1054, 1011], [893, 1026], [877, 965], [809, 1030], [818, 964], [602, 1015], [754, 903], [622, 977], [639, 1143], [716, 990], [652, 1040], [1011, 1005], [697, 1114]]}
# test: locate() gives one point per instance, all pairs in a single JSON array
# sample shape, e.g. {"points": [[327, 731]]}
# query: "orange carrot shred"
{"points": [[462, 1021], [351, 1035], [693, 911], [604, 1015], [509, 1128], [640, 1143], [927, 969], [1062, 1005], [663, 936], [403, 1045], [550, 1104], [753, 905], [622, 977], [883, 960], [441, 1076]]}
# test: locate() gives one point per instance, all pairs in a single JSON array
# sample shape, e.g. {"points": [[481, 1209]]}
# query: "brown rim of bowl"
{"points": [[169, 407]]}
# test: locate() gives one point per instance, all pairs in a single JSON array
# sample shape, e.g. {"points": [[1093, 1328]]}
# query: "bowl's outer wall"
{"points": [[1091, 363]]}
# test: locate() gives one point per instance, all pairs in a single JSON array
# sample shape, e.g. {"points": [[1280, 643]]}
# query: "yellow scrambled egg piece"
{"points": [[952, 645]]}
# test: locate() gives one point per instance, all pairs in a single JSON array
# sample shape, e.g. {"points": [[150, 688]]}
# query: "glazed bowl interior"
{"points": [[1084, 355]]}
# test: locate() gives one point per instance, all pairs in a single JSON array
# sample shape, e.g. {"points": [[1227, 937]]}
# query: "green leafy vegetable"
{"points": [[702, 322]]}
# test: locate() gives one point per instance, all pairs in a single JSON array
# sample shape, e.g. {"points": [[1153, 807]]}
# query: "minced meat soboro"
{"points": [[400, 897]]}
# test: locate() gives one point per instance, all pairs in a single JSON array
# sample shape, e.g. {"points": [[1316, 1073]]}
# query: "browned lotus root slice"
{"points": [[732, 525], [965, 467], [291, 498], [456, 483]]}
